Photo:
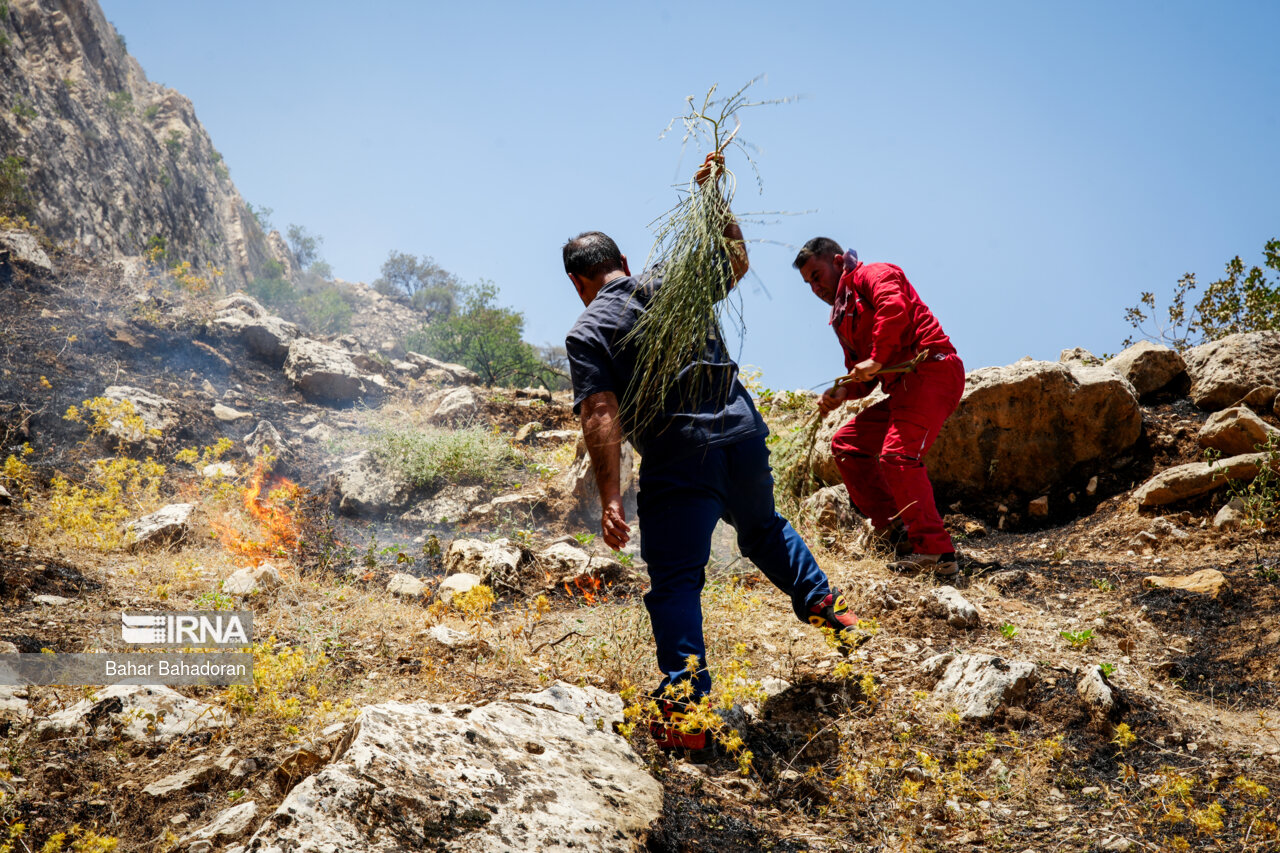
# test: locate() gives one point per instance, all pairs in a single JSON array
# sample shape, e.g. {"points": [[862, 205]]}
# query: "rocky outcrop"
{"points": [[502, 777], [1024, 428], [499, 560], [442, 372], [156, 413], [1236, 430], [125, 708], [21, 250], [365, 488], [326, 373], [1225, 371], [111, 159], [267, 336], [1197, 478], [1148, 366], [946, 602]]}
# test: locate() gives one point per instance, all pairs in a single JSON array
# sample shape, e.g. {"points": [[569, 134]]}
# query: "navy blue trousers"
{"points": [[679, 504]]}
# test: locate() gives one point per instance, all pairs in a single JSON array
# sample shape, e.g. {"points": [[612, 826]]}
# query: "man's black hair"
{"points": [[590, 254], [817, 246]]}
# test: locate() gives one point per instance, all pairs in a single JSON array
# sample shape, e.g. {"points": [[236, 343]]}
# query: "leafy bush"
{"points": [[1244, 301], [325, 310], [271, 288], [121, 102], [430, 457], [430, 287], [485, 337], [305, 245]]}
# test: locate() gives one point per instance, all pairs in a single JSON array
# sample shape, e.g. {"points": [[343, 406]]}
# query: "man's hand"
{"points": [[864, 371], [832, 398], [613, 523], [703, 174]]}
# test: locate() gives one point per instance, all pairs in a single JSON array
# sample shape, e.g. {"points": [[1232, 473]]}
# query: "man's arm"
{"points": [[602, 432], [714, 164]]}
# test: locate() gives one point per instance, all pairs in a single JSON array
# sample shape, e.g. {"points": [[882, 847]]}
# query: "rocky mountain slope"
{"points": [[109, 159]]}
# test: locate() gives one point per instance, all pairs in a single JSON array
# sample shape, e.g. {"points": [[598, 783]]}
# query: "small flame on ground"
{"points": [[273, 514], [589, 586]]}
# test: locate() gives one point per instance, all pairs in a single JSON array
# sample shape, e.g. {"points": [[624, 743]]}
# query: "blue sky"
{"points": [[1031, 166]]}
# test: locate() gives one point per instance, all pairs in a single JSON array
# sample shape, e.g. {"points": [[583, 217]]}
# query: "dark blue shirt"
{"points": [[709, 411]]}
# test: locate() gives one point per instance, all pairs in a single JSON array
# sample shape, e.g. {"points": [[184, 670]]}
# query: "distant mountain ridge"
{"points": [[111, 159]]}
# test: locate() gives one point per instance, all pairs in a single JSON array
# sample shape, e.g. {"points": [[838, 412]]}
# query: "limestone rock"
{"points": [[823, 464], [1225, 370], [1079, 354], [441, 371], [406, 585], [123, 706], [366, 488], [580, 482], [447, 506], [455, 585], [457, 407], [444, 640], [326, 373], [266, 436], [1236, 430], [1260, 399], [564, 563], [486, 560], [1148, 366], [248, 581], [184, 780], [1023, 428], [228, 415], [1231, 516], [977, 685], [47, 600], [1096, 693], [1205, 582], [263, 334], [229, 824], [1160, 531], [1197, 478], [597, 708], [946, 602], [163, 528], [218, 471], [21, 250], [502, 777], [156, 412], [830, 509]]}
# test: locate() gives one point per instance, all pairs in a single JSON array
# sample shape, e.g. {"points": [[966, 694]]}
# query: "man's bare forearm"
{"points": [[602, 432]]}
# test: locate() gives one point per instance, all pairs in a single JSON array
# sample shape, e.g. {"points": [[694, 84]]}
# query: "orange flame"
{"points": [[589, 586], [273, 515]]}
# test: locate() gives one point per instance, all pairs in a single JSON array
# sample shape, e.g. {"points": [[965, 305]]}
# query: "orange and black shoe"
{"points": [[673, 730], [833, 613]]}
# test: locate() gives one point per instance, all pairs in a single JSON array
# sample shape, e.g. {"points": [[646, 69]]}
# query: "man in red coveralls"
{"points": [[881, 322]]}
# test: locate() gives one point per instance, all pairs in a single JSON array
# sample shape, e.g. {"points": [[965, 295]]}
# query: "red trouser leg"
{"points": [[918, 404], [856, 446]]}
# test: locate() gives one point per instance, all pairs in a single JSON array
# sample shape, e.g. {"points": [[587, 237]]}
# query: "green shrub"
{"points": [[22, 108], [430, 287], [174, 143], [325, 310], [430, 458], [121, 102]]}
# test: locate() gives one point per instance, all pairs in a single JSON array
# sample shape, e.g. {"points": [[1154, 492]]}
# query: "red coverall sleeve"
{"points": [[889, 302]]}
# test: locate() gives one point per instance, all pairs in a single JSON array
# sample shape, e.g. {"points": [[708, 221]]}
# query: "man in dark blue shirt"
{"points": [[703, 459]]}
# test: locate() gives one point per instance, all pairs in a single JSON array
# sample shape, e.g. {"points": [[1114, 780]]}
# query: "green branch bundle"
{"points": [[693, 255]]}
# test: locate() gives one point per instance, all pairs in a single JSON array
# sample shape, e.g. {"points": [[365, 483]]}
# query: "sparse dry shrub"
{"points": [[287, 681], [103, 416], [91, 512], [431, 457]]}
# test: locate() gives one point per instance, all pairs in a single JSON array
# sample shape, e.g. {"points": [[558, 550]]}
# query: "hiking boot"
{"points": [[942, 565], [667, 732], [833, 613]]}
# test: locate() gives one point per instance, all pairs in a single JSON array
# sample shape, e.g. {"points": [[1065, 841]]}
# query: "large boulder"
{"points": [[122, 710], [1022, 429], [580, 483], [1226, 370], [327, 373], [366, 488], [501, 777], [1197, 478], [457, 407], [265, 335], [497, 561], [1236, 430], [1148, 366]]}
